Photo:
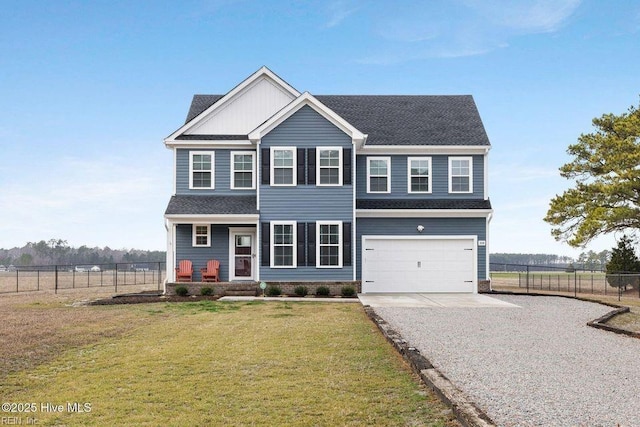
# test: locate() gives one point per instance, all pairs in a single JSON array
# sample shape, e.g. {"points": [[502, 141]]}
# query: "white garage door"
{"points": [[423, 264]]}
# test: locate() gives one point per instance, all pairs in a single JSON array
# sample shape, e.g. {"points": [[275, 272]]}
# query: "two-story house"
{"points": [[387, 192]]}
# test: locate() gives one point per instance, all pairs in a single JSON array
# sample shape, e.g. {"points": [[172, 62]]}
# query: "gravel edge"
{"points": [[466, 412]]}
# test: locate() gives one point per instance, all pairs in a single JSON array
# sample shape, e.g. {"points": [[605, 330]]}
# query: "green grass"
{"points": [[214, 363]]}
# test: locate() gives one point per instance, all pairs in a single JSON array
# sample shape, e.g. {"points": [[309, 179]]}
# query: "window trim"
{"points": [[339, 244], [470, 160], [340, 166], [388, 160], [272, 244], [212, 171], [294, 167], [409, 176], [232, 184], [194, 235]]}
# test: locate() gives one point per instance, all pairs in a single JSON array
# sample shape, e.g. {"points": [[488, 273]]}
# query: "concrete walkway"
{"points": [[432, 300]]}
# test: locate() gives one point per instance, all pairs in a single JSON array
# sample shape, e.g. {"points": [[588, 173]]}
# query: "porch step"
{"points": [[241, 289]]}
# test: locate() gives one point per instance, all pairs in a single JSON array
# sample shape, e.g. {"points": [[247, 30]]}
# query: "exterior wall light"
{"points": [[420, 228]]}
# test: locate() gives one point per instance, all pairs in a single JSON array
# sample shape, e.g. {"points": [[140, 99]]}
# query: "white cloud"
{"points": [[339, 11], [413, 31], [107, 201], [537, 16]]}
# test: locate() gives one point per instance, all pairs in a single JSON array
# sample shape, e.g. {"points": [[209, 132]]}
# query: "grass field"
{"points": [[207, 363]]}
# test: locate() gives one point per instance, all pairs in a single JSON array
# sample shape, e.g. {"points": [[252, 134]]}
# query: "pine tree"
{"points": [[623, 260]]}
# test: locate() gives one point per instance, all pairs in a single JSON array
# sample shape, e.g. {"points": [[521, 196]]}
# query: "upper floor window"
{"points": [[242, 170], [460, 175], [283, 238], [378, 174], [329, 166], [283, 166], [329, 238], [201, 169], [419, 174], [201, 235]]}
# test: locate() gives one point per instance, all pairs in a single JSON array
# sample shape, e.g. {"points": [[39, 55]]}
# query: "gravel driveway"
{"points": [[537, 365]]}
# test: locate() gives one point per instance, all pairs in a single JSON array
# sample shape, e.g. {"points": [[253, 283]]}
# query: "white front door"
{"points": [[242, 253]]}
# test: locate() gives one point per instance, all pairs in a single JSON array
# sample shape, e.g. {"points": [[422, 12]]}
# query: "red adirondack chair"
{"points": [[212, 272], [184, 271]]}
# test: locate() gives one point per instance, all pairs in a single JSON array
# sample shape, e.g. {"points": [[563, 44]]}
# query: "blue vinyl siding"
{"points": [[199, 256], [432, 227], [399, 178], [222, 173], [306, 203]]}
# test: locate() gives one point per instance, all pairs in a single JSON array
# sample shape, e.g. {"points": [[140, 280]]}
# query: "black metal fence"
{"points": [[533, 278], [120, 277]]}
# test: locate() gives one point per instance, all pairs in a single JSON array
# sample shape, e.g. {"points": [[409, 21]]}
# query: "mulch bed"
{"points": [[149, 298]]}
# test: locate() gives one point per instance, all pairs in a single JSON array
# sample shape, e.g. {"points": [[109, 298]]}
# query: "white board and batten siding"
{"points": [[244, 112], [419, 264]]}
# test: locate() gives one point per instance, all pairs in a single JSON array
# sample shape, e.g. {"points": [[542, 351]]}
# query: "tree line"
{"points": [[590, 260], [58, 251]]}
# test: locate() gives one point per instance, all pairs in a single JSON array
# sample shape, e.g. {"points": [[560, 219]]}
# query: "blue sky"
{"points": [[88, 90]]}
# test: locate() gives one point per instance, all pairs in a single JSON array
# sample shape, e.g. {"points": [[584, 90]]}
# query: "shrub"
{"points": [[273, 291], [323, 291], [182, 291], [301, 291], [206, 291], [348, 291]]}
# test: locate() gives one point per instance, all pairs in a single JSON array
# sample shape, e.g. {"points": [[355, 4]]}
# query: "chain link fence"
{"points": [[120, 277], [534, 278]]}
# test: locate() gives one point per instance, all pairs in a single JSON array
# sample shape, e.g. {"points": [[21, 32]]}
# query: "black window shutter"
{"points": [[266, 166], [311, 166], [301, 244], [346, 243], [266, 248], [311, 243], [301, 162], [346, 166]]}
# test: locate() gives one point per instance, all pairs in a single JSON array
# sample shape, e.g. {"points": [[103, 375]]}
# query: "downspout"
{"points": [[169, 259], [488, 242]]}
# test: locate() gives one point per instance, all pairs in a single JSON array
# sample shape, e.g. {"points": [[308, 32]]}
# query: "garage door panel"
{"points": [[419, 265]]}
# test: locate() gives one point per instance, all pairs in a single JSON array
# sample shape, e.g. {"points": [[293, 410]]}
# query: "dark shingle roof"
{"points": [[399, 119], [423, 204], [412, 119], [211, 205], [201, 103]]}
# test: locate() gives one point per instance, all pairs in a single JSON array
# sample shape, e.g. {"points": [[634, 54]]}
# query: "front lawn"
{"points": [[217, 363]]}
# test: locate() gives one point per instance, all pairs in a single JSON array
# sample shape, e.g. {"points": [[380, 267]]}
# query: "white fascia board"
{"points": [[423, 213], [306, 99], [212, 219], [424, 149], [263, 71], [210, 143]]}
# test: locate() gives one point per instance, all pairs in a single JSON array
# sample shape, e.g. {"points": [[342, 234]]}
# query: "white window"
{"points": [[201, 169], [419, 174], [378, 174], [460, 175], [283, 243], [283, 166], [243, 175], [329, 244], [201, 235], [329, 166]]}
